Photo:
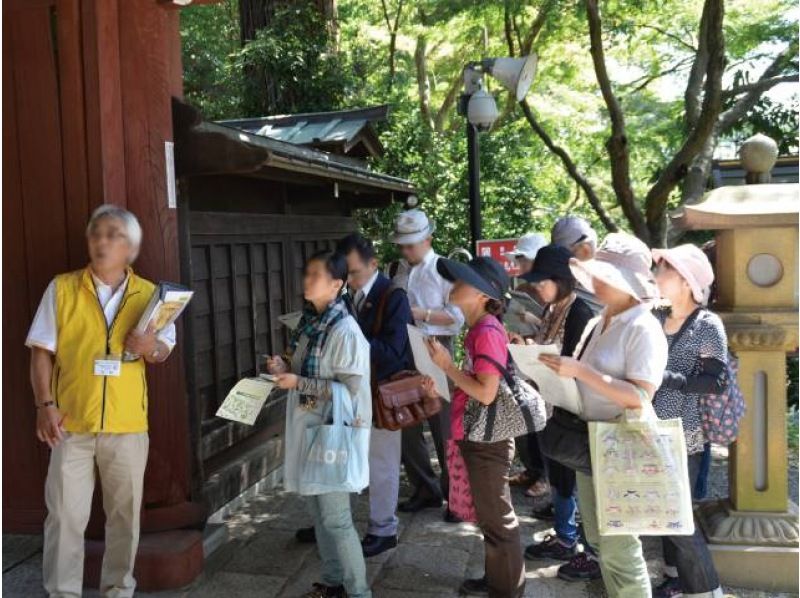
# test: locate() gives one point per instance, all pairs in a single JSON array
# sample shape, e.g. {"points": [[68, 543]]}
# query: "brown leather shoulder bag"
{"points": [[400, 401]]}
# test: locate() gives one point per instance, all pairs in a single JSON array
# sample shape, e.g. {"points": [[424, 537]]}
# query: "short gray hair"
{"points": [[132, 226]]}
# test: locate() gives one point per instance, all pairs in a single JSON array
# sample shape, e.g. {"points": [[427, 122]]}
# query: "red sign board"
{"points": [[496, 249]]}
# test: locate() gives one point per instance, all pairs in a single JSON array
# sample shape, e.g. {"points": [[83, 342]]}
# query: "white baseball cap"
{"points": [[411, 226], [528, 246]]}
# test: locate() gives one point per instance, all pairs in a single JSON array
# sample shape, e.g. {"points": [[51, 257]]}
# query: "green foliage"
{"points": [[294, 66]]}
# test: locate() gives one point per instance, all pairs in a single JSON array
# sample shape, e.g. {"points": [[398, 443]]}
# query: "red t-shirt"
{"points": [[487, 337]]}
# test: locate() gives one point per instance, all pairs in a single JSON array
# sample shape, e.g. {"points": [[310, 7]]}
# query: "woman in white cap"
{"points": [[696, 367], [525, 251], [620, 366]]}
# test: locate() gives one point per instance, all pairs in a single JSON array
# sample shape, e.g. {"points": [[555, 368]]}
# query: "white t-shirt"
{"points": [[43, 332], [632, 347]]}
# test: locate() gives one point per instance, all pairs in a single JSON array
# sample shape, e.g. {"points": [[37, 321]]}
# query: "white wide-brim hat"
{"points": [[411, 226], [623, 262]]}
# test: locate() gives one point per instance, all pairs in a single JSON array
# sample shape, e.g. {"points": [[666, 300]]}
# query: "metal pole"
{"points": [[474, 174]]}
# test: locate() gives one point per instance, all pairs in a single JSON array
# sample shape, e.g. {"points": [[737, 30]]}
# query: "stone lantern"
{"points": [[753, 536]]}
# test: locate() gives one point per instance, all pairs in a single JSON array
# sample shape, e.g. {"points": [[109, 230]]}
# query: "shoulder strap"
{"points": [[686, 323], [503, 371], [393, 268], [378, 323], [588, 338]]}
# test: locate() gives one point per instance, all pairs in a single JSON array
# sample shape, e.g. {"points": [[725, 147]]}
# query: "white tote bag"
{"points": [[641, 475]]}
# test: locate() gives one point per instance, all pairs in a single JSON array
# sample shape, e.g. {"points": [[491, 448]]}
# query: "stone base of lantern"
{"points": [[755, 550]]}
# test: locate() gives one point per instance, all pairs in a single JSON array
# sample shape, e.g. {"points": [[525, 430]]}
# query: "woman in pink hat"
{"points": [[696, 366]]}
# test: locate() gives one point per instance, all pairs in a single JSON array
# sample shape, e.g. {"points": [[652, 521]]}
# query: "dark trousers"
{"points": [[415, 455], [689, 554], [488, 466], [417, 460], [531, 455]]}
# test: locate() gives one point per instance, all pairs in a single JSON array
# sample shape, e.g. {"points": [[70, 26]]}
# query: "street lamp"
{"points": [[478, 105]]}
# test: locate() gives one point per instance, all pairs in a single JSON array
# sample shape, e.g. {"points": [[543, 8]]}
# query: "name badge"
{"points": [[108, 365]]}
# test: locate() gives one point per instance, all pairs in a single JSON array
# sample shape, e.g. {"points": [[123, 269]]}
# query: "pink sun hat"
{"points": [[693, 266]]}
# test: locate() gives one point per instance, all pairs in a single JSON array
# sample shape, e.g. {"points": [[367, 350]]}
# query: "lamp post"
{"points": [[478, 105]]}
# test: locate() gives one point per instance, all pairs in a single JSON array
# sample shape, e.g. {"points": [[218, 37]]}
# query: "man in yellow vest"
{"points": [[92, 406]]}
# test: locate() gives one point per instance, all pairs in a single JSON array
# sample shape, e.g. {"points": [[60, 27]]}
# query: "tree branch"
{"points": [[617, 143], [761, 85], [748, 100], [449, 101], [594, 200], [676, 169], [694, 85], [420, 61], [670, 35], [643, 82]]}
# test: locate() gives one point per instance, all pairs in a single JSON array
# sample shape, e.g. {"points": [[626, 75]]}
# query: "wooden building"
{"points": [[88, 89]]}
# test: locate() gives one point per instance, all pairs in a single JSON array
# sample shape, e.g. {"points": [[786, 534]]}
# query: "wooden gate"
{"points": [[246, 270]]}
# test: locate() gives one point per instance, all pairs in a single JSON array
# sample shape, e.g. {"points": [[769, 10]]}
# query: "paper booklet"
{"points": [[291, 320], [555, 389], [245, 400], [424, 363], [513, 321], [166, 303]]}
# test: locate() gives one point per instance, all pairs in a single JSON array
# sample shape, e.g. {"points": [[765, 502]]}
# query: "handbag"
{"points": [[642, 476], [565, 439], [400, 402], [335, 456], [720, 413], [517, 409]]}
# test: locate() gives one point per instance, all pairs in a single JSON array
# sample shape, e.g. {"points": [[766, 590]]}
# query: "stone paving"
{"points": [[260, 557]]}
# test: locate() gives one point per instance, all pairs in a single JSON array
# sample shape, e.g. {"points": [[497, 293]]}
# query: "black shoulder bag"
{"points": [[565, 439]]}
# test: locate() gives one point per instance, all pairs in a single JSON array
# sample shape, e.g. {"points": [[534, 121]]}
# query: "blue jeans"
{"points": [[338, 544], [564, 509], [700, 489]]}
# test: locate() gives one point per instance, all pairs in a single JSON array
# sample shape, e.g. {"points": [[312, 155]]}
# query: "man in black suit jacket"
{"points": [[383, 312]]}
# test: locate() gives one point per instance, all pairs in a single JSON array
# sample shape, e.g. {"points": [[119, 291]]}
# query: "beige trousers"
{"points": [[120, 460]]}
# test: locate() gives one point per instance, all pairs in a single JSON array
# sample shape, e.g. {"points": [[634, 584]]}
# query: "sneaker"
{"points": [[538, 489], [551, 548], [320, 590], [581, 567], [474, 587], [669, 588], [520, 479]]}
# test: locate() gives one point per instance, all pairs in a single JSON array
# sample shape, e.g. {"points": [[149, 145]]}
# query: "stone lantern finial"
{"points": [[758, 155]]}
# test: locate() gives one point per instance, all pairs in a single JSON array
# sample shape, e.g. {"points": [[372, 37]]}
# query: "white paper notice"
{"points": [[424, 363], [291, 320], [245, 400], [556, 390]]}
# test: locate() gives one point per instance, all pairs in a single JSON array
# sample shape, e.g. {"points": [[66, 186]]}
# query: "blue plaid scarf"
{"points": [[316, 327]]}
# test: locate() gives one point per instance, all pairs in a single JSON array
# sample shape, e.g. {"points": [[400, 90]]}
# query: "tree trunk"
{"points": [[423, 88]]}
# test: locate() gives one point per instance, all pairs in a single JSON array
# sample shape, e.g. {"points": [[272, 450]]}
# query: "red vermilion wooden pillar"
{"points": [[133, 68], [87, 107]]}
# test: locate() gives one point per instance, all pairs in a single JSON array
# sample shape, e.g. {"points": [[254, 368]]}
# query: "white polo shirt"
{"points": [[43, 332], [632, 347], [428, 289]]}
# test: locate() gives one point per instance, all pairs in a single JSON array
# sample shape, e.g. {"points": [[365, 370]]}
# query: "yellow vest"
{"points": [[93, 404]]}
